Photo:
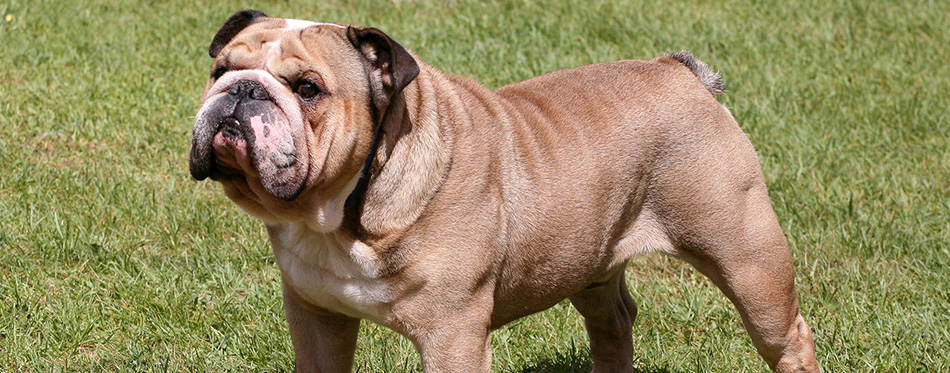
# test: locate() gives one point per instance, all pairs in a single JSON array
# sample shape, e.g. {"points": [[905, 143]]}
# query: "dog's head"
{"points": [[288, 115]]}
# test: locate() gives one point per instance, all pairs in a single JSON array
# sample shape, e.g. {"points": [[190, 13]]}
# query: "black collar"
{"points": [[364, 173]]}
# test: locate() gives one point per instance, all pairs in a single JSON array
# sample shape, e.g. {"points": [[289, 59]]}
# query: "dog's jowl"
{"points": [[443, 210]]}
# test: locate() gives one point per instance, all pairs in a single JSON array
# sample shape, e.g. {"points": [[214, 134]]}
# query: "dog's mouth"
{"points": [[248, 143], [226, 154], [231, 151]]}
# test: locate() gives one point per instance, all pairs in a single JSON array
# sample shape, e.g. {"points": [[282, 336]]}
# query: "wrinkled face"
{"points": [[286, 120]]}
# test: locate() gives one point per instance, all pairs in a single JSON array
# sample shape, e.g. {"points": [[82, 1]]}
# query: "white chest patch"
{"points": [[326, 270]]}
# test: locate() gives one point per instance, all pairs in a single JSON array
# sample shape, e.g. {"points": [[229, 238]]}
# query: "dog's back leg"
{"points": [[609, 312], [730, 233], [754, 269], [708, 194]]}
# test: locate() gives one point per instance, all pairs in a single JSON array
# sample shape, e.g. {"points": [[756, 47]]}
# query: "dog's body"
{"points": [[478, 207]]}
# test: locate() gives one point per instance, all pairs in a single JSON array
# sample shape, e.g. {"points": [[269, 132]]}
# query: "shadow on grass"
{"points": [[575, 362]]}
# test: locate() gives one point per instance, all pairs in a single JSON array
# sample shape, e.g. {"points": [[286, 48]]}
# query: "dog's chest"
{"points": [[331, 272]]}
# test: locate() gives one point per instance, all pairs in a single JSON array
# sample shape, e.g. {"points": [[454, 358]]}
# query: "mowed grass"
{"points": [[112, 258]]}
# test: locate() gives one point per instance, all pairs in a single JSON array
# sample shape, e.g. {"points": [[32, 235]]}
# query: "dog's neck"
{"points": [[411, 159]]}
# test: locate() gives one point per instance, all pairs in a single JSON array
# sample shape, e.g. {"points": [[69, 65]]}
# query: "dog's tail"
{"points": [[710, 79]]}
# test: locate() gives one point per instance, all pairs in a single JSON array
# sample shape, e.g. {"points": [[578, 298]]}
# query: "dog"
{"points": [[443, 210]]}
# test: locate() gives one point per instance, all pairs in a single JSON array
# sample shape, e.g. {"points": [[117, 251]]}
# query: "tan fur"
{"points": [[485, 206]]}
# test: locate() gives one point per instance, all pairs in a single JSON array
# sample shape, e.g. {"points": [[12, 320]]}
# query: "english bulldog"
{"points": [[429, 204]]}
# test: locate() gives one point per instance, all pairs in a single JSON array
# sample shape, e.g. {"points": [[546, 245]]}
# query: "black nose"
{"points": [[248, 89]]}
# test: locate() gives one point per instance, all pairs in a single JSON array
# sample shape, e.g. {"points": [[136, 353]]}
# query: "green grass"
{"points": [[112, 258]]}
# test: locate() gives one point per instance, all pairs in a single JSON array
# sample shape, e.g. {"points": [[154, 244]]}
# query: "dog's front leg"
{"points": [[460, 344], [323, 341]]}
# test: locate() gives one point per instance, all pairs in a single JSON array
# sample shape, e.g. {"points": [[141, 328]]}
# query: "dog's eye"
{"points": [[307, 90], [220, 70]]}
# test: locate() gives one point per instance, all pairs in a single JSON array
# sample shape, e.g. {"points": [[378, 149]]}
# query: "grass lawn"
{"points": [[112, 258]]}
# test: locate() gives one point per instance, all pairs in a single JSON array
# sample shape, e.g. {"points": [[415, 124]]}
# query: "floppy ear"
{"points": [[235, 23], [396, 67]]}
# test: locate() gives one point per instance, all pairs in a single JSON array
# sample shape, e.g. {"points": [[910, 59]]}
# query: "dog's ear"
{"points": [[235, 23], [395, 65]]}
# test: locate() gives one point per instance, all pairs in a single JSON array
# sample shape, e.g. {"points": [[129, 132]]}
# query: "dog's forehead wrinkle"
{"points": [[266, 47]]}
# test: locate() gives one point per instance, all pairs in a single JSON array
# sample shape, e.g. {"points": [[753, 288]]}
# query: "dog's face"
{"points": [[288, 114]]}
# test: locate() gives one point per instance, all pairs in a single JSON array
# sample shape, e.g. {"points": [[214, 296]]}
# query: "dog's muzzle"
{"points": [[243, 132]]}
